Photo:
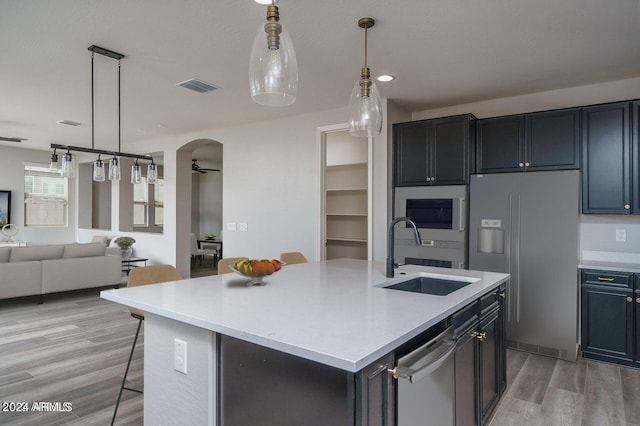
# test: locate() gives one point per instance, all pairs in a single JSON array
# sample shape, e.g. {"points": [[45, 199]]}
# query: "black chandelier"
{"points": [[67, 168]]}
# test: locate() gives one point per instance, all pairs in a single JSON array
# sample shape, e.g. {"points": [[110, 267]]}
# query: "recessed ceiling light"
{"points": [[264, 1], [385, 78]]}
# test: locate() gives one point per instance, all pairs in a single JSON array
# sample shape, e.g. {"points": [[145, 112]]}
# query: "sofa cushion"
{"points": [[4, 254], [23, 254], [84, 250], [102, 239]]}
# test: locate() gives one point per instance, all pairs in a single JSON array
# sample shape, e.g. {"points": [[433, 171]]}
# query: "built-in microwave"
{"points": [[440, 213]]}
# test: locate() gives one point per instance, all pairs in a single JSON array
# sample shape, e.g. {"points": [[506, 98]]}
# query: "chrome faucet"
{"points": [[390, 262]]}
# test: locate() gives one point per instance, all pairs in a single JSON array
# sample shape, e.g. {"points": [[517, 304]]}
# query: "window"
{"points": [[148, 206], [45, 196]]}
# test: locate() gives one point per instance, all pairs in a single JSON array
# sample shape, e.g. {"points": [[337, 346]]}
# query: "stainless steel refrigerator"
{"points": [[526, 224]]}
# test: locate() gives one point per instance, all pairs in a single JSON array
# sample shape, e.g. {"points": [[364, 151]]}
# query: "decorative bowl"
{"points": [[254, 280]]}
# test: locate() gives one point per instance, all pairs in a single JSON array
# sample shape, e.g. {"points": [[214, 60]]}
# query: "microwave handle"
{"points": [[461, 214]]}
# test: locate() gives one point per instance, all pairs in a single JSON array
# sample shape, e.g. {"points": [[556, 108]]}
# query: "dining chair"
{"points": [[143, 275], [223, 264], [198, 253], [293, 257]]}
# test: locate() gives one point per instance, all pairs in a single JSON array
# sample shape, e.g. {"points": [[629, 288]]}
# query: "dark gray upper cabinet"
{"points": [[433, 152], [538, 141], [635, 149], [606, 165], [500, 144]]}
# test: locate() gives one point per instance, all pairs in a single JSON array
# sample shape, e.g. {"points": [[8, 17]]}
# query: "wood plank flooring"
{"points": [[74, 348], [547, 391]]}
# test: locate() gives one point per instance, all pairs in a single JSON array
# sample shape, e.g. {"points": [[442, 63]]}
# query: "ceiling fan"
{"points": [[196, 168]]}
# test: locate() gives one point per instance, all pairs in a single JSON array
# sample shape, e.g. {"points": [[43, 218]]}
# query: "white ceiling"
{"points": [[443, 52]]}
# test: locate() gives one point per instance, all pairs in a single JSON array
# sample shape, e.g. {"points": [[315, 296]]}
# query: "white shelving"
{"points": [[346, 197]]}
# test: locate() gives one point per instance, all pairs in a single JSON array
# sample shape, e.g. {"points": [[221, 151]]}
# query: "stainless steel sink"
{"points": [[429, 285]]}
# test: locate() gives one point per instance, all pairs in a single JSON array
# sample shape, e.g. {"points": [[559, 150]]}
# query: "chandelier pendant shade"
{"points": [[273, 67], [365, 107]]}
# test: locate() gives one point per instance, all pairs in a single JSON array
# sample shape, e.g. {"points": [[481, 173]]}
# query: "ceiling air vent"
{"points": [[197, 85], [68, 122], [7, 139]]}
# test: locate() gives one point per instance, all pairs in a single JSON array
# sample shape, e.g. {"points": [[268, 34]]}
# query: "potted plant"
{"points": [[125, 243]]}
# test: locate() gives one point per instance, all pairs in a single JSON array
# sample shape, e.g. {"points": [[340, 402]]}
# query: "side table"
{"points": [[129, 264]]}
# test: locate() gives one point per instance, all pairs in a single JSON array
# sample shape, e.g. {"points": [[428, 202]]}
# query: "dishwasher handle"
{"points": [[415, 374]]}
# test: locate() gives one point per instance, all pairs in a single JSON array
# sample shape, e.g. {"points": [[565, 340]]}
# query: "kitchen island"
{"points": [[333, 315]]}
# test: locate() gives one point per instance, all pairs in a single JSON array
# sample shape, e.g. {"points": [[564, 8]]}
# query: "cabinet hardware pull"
{"points": [[502, 294], [638, 300], [627, 206], [482, 336], [520, 164], [605, 279], [526, 164], [629, 299]]}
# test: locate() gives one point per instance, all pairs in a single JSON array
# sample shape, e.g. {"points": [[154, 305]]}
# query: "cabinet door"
{"points": [[635, 183], [500, 144], [605, 159], [489, 364], [449, 142], [607, 323], [411, 153], [553, 140], [637, 312], [374, 394], [467, 379]]}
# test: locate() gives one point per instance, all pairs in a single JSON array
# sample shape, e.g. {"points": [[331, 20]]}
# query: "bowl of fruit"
{"points": [[256, 270]]}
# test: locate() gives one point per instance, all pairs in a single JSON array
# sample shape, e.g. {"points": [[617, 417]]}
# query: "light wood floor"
{"points": [[546, 391], [74, 349]]}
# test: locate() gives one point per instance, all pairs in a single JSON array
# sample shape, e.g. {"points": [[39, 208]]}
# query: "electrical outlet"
{"points": [[621, 235], [180, 356]]}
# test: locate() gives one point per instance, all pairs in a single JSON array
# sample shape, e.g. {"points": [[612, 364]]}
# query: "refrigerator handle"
{"points": [[461, 214], [518, 241], [511, 298]]}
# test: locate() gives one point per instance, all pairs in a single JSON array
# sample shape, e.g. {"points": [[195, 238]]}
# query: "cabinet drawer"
{"points": [[608, 278], [464, 318], [489, 302]]}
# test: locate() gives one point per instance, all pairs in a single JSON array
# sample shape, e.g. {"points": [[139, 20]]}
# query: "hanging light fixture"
{"points": [[68, 168], [136, 173], [98, 170], [152, 173], [53, 166], [365, 108], [68, 163], [273, 68], [114, 168]]}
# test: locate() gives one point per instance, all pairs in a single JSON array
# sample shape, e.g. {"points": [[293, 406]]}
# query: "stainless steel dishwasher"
{"points": [[426, 383]]}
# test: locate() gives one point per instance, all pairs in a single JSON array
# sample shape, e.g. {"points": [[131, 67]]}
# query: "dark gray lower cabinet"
{"points": [[608, 305], [480, 360]]}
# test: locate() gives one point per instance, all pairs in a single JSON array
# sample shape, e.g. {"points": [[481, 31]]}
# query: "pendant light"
{"points": [[365, 108], [98, 170], [53, 166], [68, 168], [136, 173], [273, 68], [114, 168], [152, 173]]}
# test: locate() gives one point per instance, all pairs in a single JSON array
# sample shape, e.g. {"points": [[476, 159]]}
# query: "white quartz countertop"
{"points": [[332, 312], [609, 266]]}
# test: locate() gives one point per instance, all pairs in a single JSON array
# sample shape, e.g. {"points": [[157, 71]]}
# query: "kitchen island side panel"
{"points": [[170, 397]]}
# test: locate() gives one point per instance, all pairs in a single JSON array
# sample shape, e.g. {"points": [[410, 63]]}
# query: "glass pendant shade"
{"points": [[68, 168], [114, 169], [136, 174], [273, 70], [53, 166], [365, 112], [98, 170], [152, 173]]}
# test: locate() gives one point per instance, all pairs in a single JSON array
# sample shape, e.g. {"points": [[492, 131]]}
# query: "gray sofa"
{"points": [[39, 270]]}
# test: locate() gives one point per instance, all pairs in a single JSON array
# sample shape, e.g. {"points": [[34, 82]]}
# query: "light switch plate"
{"points": [[243, 227], [621, 235], [231, 226]]}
